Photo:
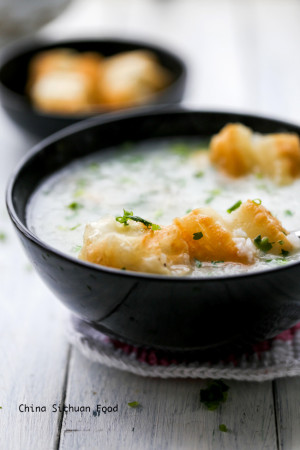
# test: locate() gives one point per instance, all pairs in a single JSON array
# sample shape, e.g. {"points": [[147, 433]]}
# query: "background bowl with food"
{"points": [[47, 85]]}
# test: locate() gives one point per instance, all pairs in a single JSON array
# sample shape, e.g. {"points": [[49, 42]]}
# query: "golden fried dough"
{"points": [[131, 78], [231, 150], [69, 82], [255, 220], [278, 156], [201, 235], [217, 241], [135, 247], [236, 150], [64, 81]]}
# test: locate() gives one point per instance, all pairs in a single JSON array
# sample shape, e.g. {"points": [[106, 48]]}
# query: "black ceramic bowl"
{"points": [[14, 74], [174, 313]]}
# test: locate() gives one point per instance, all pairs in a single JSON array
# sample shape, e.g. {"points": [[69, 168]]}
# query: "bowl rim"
{"points": [[20, 47], [111, 118]]}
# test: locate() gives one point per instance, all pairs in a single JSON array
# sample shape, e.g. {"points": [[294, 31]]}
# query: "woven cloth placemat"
{"points": [[275, 358]]}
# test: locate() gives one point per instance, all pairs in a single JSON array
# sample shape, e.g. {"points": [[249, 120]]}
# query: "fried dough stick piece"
{"points": [[131, 78], [255, 220], [237, 151], [64, 80], [202, 234]]}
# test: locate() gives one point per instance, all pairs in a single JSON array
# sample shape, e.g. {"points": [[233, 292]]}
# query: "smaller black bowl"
{"points": [[14, 74]]}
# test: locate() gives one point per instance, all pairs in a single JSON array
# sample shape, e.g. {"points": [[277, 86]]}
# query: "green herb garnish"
{"points": [[209, 200], [155, 227], [180, 149], [128, 215], [3, 236], [74, 206], [262, 244], [188, 211], [94, 166], [199, 174], [284, 253], [198, 263], [75, 226], [280, 261], [235, 206], [215, 394], [288, 212], [76, 248], [213, 193], [257, 201], [214, 263], [280, 242], [223, 428], [197, 236], [133, 404]]}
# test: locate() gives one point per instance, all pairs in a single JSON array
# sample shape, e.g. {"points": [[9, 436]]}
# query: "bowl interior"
{"points": [[106, 131]]}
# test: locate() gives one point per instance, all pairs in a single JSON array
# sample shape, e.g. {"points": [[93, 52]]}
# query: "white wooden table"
{"points": [[242, 55]]}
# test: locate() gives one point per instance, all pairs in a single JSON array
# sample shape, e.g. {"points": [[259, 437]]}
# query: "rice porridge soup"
{"points": [[137, 190]]}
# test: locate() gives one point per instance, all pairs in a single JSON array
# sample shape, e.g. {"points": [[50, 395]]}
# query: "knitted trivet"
{"points": [[275, 358]]}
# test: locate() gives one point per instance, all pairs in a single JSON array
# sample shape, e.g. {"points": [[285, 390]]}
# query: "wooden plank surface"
{"points": [[33, 348], [288, 413], [170, 415]]}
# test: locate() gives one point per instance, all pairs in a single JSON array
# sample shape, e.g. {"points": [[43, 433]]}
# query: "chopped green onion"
{"points": [[257, 201], [217, 262], [188, 211], [198, 263], [288, 212], [76, 248], [215, 394], [280, 261], [234, 207], [3, 236], [155, 227], [215, 192], [94, 166], [180, 149], [76, 226], [284, 253], [262, 244], [133, 404], [197, 236], [128, 215], [74, 206], [259, 176], [209, 200], [223, 428], [199, 174], [280, 242]]}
